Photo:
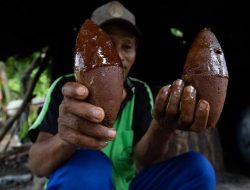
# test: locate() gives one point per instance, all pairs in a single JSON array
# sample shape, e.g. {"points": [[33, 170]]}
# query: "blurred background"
{"points": [[30, 29]]}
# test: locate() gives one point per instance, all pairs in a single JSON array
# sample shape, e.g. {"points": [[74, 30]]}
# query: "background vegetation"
{"points": [[15, 70]]}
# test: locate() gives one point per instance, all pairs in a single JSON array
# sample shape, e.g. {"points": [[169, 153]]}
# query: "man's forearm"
{"points": [[46, 155], [153, 146]]}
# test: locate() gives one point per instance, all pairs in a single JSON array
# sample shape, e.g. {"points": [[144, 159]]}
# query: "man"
{"points": [[72, 150]]}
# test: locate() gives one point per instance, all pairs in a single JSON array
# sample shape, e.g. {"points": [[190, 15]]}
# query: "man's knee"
{"points": [[190, 170], [86, 168], [200, 166], [199, 162]]}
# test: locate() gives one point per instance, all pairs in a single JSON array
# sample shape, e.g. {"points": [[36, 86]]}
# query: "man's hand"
{"points": [[79, 121], [176, 107]]}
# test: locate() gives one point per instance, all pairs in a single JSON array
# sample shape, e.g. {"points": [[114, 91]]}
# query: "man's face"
{"points": [[125, 44]]}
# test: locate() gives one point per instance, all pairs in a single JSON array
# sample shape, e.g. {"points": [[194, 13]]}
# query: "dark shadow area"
{"points": [[29, 26]]}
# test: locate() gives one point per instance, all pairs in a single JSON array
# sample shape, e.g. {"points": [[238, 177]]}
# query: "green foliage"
{"points": [[42, 85], [23, 133], [4, 91], [176, 32], [15, 67]]}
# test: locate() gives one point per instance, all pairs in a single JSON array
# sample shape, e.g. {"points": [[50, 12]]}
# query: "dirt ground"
{"points": [[15, 174]]}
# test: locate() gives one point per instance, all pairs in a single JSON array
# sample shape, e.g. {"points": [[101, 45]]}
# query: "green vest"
{"points": [[120, 149]]}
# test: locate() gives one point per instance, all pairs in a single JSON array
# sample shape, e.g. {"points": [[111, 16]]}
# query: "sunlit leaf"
{"points": [[176, 32]]}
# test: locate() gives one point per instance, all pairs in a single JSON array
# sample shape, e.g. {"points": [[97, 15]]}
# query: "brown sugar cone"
{"points": [[205, 68], [99, 68]]}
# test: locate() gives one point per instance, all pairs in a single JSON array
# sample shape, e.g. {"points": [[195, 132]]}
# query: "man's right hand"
{"points": [[79, 121]]}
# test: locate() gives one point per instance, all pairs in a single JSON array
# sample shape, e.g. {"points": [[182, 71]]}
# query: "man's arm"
{"points": [[48, 152], [152, 147], [78, 126], [175, 108]]}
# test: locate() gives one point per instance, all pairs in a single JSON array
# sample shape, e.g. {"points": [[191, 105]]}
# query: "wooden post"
{"points": [[206, 143]]}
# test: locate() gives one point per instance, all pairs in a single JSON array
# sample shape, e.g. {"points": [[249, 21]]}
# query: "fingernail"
{"points": [[98, 113], [179, 82], [166, 89], [104, 143], [203, 104], [111, 133], [81, 90], [190, 89]]}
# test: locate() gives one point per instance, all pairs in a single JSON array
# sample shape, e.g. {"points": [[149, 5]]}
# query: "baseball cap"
{"points": [[114, 11]]}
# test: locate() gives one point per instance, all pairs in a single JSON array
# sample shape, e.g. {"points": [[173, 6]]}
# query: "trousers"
{"points": [[92, 170]]}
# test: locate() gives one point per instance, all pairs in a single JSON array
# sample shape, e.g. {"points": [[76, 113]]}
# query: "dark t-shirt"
{"points": [[47, 119]]}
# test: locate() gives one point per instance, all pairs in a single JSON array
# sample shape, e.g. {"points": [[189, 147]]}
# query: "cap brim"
{"points": [[134, 28]]}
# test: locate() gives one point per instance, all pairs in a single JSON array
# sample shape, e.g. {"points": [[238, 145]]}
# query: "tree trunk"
{"points": [[207, 143]]}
